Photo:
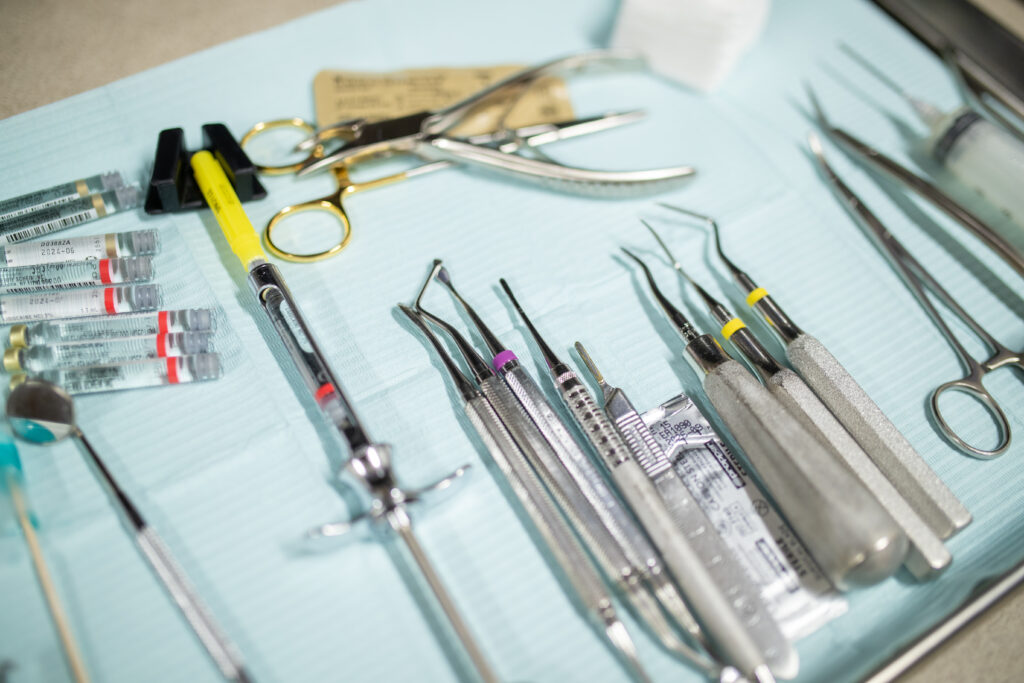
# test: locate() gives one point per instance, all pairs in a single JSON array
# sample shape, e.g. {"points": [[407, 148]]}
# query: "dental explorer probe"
{"points": [[627, 568], [730, 576], [369, 462], [570, 458], [861, 416], [559, 541], [714, 611], [874, 510], [784, 454]]}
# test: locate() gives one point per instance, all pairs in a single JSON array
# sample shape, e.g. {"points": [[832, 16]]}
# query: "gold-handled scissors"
{"points": [[333, 203], [504, 141]]}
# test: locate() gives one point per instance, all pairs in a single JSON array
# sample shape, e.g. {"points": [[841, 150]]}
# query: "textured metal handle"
{"points": [[872, 532], [529, 490], [584, 473], [926, 554], [878, 436], [562, 487], [788, 461], [713, 610]]}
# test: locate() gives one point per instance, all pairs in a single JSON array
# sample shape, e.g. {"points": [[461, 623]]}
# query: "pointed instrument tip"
{"points": [[549, 356], [589, 362], [664, 247], [819, 113], [688, 212], [511, 296], [624, 645], [435, 267], [633, 256]]}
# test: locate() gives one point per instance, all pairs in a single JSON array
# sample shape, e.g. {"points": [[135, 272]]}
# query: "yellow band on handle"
{"points": [[216, 188], [756, 296], [732, 326]]}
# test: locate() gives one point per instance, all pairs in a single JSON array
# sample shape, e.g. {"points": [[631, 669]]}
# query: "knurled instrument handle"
{"points": [[878, 436], [529, 491], [787, 459], [927, 555]]}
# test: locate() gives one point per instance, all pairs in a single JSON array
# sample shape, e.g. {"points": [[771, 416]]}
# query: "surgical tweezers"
{"points": [[424, 134]]}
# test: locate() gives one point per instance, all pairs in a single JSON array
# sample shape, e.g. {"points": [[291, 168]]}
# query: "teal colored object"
{"points": [[32, 431], [10, 475], [234, 471], [8, 452]]}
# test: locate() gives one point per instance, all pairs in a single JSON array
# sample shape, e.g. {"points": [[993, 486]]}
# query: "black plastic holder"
{"points": [[172, 186]]}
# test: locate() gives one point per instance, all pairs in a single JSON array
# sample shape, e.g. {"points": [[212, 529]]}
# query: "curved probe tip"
{"points": [[423, 290]]}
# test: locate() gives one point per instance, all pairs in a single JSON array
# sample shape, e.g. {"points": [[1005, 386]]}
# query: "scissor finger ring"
{"points": [[300, 124]]}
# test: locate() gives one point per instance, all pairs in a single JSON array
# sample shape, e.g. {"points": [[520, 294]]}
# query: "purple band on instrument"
{"points": [[502, 358]]}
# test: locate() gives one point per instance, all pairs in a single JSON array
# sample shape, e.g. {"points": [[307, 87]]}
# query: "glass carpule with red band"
{"points": [[137, 325], [156, 372], [79, 303], [67, 275], [50, 357]]}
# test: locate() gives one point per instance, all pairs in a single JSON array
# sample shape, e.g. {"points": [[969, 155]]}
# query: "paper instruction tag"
{"points": [[795, 591], [341, 95]]}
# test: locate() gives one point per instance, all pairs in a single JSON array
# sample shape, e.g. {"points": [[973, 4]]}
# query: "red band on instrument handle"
{"points": [[324, 391]]}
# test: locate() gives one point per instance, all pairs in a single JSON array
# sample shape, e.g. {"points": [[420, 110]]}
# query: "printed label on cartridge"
{"points": [[56, 251], [52, 222], [50, 305], [797, 594], [38, 201]]}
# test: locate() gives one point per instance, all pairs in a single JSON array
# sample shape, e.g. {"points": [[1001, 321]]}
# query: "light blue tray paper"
{"points": [[233, 472]]}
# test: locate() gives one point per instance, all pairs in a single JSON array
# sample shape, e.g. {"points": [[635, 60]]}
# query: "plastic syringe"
{"points": [[980, 154]]}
